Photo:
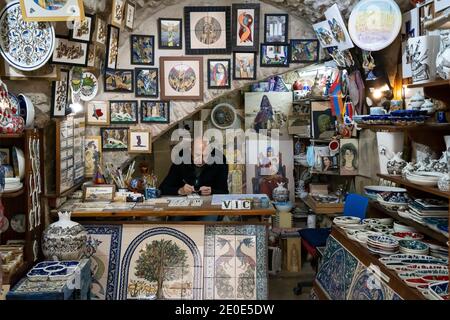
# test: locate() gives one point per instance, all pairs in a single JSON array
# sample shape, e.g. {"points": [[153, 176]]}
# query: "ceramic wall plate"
{"points": [[24, 45], [223, 116], [26, 109], [89, 86]]}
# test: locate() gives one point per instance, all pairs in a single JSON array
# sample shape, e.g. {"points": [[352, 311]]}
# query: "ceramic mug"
{"points": [[152, 193], [377, 111], [441, 117]]}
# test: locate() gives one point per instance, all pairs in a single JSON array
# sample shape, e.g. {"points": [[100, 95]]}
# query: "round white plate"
{"points": [[89, 86]]}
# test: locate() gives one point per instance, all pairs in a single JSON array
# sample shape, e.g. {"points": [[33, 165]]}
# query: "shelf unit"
{"points": [[431, 190], [431, 84]]}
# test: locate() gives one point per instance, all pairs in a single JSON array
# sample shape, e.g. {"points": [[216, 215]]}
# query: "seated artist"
{"points": [[197, 177]]}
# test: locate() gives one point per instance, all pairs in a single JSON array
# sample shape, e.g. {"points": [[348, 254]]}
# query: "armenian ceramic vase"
{"points": [[64, 239], [280, 193]]}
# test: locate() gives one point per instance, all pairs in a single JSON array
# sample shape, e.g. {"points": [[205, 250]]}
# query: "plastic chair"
{"points": [[356, 205]]}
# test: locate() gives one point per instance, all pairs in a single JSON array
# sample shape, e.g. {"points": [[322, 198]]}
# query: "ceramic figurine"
{"points": [[428, 106], [280, 193], [396, 164], [64, 239], [416, 102]]}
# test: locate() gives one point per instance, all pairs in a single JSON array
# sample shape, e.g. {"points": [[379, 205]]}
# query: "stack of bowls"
{"points": [[407, 235], [12, 185], [372, 192], [383, 245], [429, 179], [393, 200], [413, 247], [349, 223]]}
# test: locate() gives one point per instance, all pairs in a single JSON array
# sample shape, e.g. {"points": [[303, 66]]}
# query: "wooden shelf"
{"points": [[323, 209], [406, 183], [394, 128], [11, 136], [12, 194], [420, 228], [436, 83], [327, 173]]}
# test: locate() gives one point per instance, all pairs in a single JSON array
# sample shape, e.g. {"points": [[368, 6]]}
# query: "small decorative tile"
{"points": [[225, 288], [225, 245]]}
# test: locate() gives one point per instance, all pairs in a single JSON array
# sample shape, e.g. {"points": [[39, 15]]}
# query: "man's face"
{"points": [[199, 151]]}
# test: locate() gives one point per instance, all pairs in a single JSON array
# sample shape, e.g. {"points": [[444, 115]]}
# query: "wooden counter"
{"points": [[323, 208]]}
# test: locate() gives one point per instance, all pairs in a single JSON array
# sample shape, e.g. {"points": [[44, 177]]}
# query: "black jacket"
{"points": [[214, 176]]}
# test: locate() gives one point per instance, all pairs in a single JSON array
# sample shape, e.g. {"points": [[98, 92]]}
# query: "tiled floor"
{"points": [[281, 286]]}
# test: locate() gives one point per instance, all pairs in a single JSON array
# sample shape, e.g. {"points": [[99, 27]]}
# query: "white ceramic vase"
{"points": [[389, 144], [423, 51]]}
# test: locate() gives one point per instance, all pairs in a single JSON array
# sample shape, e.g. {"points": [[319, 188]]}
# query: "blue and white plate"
{"points": [[439, 290]]}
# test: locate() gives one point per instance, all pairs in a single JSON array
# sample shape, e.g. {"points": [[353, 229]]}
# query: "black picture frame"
{"points": [[135, 107], [103, 129], [91, 31], [160, 45], [234, 26], [235, 77], [286, 31], [293, 42], [136, 74], [187, 30], [135, 62], [108, 42], [54, 87], [263, 64], [228, 73], [105, 89], [84, 64], [166, 104]]}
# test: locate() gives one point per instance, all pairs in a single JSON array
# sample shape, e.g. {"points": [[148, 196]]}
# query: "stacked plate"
{"points": [[429, 179], [407, 235], [439, 290], [12, 184], [438, 251], [373, 191], [399, 227], [383, 245], [348, 222], [413, 247]]}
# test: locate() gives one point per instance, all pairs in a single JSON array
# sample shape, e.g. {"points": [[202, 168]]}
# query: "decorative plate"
{"points": [[346, 220], [375, 24], [413, 245], [89, 86], [383, 240], [223, 116], [24, 45]]}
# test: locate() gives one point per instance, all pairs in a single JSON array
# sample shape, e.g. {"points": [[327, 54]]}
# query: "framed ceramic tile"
{"points": [[69, 52], [304, 50], [349, 155], [170, 33], [207, 30], [139, 141], [245, 27], [101, 192], [83, 30], [92, 155], [112, 48], [323, 32], [101, 30], [97, 113], [181, 78], [114, 139], [146, 82], [119, 80], [274, 55], [155, 111], [117, 12], [123, 112], [219, 74], [60, 95], [68, 10], [130, 12], [142, 49], [338, 28], [244, 65], [276, 28]]}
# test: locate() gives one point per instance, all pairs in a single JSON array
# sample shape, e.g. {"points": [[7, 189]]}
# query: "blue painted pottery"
{"points": [[413, 244]]}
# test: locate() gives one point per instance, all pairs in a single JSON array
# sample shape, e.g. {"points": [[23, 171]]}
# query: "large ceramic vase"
{"points": [[280, 193], [423, 52], [64, 239]]}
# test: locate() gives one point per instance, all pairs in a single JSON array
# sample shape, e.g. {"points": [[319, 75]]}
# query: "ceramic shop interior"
{"points": [[252, 150]]}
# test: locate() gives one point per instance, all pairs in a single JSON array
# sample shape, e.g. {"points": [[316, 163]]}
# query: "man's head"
{"points": [[199, 148]]}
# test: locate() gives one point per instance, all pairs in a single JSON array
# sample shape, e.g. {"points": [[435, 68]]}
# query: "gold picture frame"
{"points": [[118, 13], [71, 10], [97, 113], [144, 141], [100, 192]]}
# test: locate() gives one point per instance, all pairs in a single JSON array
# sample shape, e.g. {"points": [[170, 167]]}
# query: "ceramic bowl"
{"points": [[414, 245], [26, 110], [399, 227], [386, 221], [373, 191], [407, 235], [432, 272], [346, 220], [412, 256], [283, 206], [439, 290], [415, 282]]}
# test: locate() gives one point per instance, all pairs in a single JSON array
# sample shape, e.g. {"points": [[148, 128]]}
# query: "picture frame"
{"points": [[63, 46], [181, 78], [123, 112], [92, 55], [142, 49], [70, 10], [146, 82], [92, 154], [199, 43], [245, 27], [112, 48], [117, 13], [5, 156], [170, 34], [83, 30], [244, 65], [151, 111], [99, 192], [60, 95], [119, 80], [426, 13], [139, 141], [349, 157], [304, 50], [114, 139], [219, 73], [49, 72], [330, 163], [100, 31], [97, 113], [274, 55], [276, 28], [130, 13]]}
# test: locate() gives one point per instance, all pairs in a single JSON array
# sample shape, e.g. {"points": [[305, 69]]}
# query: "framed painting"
{"points": [[181, 78], [91, 56], [52, 10], [340, 32], [244, 65], [69, 52], [112, 49], [245, 27], [207, 30], [123, 112], [219, 74], [349, 157], [97, 113], [274, 55], [276, 28], [119, 80], [117, 13], [304, 50], [322, 120], [92, 154], [170, 33], [146, 82], [60, 95], [323, 32], [155, 111], [139, 141], [101, 192], [142, 49], [130, 12], [114, 139], [83, 30], [100, 30]]}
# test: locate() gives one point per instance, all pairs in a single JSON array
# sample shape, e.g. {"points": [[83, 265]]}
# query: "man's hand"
{"points": [[186, 189], [205, 191]]}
